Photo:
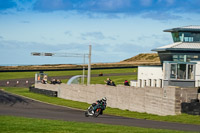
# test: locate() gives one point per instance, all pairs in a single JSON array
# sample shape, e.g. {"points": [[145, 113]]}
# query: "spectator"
{"points": [[107, 81], [59, 81], [53, 81], [44, 81], [112, 83], [38, 78], [126, 83], [100, 74], [56, 81]]}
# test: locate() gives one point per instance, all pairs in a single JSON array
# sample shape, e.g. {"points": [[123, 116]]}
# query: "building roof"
{"points": [[180, 46], [185, 28]]}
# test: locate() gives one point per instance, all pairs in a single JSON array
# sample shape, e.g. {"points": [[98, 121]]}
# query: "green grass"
{"points": [[183, 118], [17, 75], [12, 124], [79, 72], [117, 79], [94, 80]]}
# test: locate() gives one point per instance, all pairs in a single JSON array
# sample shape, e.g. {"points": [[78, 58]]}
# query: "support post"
{"points": [[83, 69], [89, 66]]}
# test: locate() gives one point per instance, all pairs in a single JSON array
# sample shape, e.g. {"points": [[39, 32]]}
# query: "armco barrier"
{"points": [[43, 91]]}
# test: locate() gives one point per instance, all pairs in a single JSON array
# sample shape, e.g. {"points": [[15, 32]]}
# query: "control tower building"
{"points": [[180, 61]]}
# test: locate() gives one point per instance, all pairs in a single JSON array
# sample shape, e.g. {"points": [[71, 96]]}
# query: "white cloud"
{"points": [[101, 52], [113, 4], [146, 2], [105, 5], [68, 33], [52, 5], [162, 16], [25, 22], [170, 2], [96, 36]]}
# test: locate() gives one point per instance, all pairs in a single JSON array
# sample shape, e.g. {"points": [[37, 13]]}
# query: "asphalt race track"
{"points": [[20, 106]]}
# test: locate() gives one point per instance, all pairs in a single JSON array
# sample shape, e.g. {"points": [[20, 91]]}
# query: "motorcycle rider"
{"points": [[102, 103]]}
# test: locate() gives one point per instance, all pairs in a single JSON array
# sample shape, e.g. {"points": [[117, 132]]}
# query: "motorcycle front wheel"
{"points": [[86, 114]]}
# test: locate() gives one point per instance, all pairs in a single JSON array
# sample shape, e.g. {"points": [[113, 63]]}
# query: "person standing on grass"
{"points": [[107, 81], [126, 83], [44, 81], [112, 83]]}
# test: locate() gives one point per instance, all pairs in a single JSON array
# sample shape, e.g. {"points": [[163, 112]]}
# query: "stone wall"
{"points": [[153, 100], [187, 94]]}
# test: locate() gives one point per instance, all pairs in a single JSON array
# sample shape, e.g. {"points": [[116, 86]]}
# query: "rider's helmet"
{"points": [[104, 99]]}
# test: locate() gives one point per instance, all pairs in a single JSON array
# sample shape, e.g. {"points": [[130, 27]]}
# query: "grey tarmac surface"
{"points": [[19, 106]]}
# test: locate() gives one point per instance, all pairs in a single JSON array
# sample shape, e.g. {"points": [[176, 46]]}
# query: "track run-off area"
{"points": [[15, 105]]}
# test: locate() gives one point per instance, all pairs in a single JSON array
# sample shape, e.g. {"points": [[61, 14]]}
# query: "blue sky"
{"points": [[116, 29]]}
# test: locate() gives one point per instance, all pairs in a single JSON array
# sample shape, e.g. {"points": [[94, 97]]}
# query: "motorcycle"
{"points": [[97, 112]]}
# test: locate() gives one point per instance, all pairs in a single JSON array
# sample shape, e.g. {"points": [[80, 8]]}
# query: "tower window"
{"points": [[182, 71]]}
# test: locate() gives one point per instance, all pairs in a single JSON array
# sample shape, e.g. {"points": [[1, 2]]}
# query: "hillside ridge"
{"points": [[141, 59]]}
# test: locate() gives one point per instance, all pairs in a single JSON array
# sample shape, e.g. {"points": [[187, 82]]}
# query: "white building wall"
{"points": [[150, 76], [197, 75]]}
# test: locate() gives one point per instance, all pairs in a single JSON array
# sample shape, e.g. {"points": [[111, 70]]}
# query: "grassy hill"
{"points": [[141, 59], [144, 57]]}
